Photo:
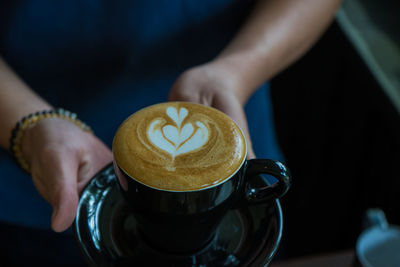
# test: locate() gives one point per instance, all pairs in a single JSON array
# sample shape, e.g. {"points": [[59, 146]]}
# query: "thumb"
{"points": [[250, 152], [64, 207], [64, 196]]}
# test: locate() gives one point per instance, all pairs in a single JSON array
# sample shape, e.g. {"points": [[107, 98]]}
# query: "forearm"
{"points": [[16, 101], [276, 34]]}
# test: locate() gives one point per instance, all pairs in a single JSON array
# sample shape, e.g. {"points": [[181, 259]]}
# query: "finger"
{"points": [[182, 94], [250, 152], [64, 196], [54, 175], [56, 185], [234, 110], [64, 210], [92, 163]]}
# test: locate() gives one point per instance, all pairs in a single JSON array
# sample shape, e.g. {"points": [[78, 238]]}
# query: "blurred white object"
{"points": [[379, 244]]}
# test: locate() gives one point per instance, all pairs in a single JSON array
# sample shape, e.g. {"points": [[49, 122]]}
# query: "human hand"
{"points": [[62, 160], [214, 85]]}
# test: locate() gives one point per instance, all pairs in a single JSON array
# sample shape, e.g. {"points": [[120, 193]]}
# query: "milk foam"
{"points": [[179, 146], [179, 138]]}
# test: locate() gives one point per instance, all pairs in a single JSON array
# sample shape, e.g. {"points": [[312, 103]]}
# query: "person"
{"points": [[105, 60]]}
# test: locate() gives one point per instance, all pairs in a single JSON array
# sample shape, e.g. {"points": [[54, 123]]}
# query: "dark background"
{"points": [[340, 135]]}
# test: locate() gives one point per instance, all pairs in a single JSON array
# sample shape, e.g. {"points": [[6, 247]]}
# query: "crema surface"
{"points": [[179, 146]]}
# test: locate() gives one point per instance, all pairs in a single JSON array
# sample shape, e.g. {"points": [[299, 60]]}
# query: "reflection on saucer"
{"points": [[107, 236]]}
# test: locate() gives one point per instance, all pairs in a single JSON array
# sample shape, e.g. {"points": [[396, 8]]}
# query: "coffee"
{"points": [[179, 146]]}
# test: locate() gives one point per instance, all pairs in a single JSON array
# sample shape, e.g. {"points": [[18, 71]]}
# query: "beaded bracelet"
{"points": [[29, 121]]}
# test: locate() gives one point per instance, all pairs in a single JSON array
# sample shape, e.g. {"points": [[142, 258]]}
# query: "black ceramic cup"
{"points": [[181, 166], [185, 221]]}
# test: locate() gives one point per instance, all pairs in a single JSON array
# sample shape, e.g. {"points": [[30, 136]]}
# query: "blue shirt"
{"points": [[105, 60]]}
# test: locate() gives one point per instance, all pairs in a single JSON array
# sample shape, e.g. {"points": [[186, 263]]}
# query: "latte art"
{"points": [[177, 139], [179, 146]]}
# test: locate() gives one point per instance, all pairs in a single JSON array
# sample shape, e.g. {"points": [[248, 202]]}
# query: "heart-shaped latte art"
{"points": [[177, 139]]}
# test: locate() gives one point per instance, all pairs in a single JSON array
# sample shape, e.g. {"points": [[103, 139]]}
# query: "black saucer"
{"points": [[106, 234]]}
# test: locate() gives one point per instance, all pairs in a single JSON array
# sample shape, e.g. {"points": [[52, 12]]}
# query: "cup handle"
{"points": [[375, 217], [275, 168]]}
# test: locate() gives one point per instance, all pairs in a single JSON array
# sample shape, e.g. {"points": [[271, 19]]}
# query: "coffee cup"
{"points": [[181, 166], [379, 243]]}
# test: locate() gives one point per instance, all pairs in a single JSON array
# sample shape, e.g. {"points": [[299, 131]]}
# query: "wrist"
{"points": [[21, 140], [26, 147]]}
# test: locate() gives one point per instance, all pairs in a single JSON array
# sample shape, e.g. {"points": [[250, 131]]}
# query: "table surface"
{"points": [[341, 258]]}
